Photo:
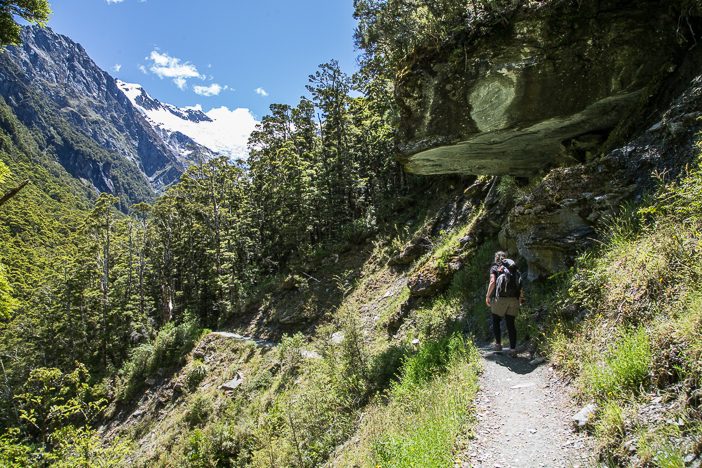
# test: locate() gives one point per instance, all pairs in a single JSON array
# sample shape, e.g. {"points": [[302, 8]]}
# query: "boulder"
{"points": [[560, 216], [411, 252], [337, 337], [233, 384], [432, 278], [543, 91]]}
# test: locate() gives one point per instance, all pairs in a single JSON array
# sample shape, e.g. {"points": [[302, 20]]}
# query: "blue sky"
{"points": [[224, 50]]}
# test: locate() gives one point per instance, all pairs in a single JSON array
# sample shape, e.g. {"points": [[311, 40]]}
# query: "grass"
{"points": [[448, 243], [626, 323], [609, 428], [624, 371], [422, 414]]}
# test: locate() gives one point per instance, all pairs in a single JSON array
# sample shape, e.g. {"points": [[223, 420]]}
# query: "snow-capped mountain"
{"points": [[83, 119], [189, 130], [111, 135]]}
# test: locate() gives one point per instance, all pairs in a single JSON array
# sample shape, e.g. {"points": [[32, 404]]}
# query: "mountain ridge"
{"points": [[87, 122]]}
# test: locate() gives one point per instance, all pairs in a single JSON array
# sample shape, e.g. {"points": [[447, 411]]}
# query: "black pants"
{"points": [[511, 330]]}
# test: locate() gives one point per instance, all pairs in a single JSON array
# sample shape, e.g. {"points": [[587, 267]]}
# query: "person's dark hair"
{"points": [[499, 256]]}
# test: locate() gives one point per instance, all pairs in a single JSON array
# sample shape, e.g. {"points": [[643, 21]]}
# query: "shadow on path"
{"points": [[516, 364]]}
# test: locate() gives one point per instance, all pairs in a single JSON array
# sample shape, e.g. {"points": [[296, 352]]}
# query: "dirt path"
{"points": [[237, 337], [524, 419]]}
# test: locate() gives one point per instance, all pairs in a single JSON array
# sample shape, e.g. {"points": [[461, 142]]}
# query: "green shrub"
{"points": [[432, 359], [79, 447], [228, 443], [196, 373], [13, 452], [386, 364], [199, 409], [625, 368], [168, 350], [173, 342], [290, 352]]}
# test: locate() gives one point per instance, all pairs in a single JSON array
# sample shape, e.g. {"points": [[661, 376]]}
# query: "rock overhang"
{"points": [[520, 152], [518, 100]]}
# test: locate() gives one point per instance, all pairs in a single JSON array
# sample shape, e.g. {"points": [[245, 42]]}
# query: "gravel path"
{"points": [[523, 419], [237, 337]]}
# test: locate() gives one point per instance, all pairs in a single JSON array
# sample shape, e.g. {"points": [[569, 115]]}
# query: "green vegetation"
{"points": [[58, 409], [100, 308], [128, 296], [33, 11], [391, 31], [166, 353], [428, 407], [641, 336], [625, 368]]}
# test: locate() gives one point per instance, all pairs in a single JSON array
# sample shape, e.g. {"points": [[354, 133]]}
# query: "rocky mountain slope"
{"points": [[87, 122]]}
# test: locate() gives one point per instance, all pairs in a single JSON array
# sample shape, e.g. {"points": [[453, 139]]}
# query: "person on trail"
{"points": [[504, 296]]}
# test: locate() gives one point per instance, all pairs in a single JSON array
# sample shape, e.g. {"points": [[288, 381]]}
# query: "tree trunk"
{"points": [[13, 192]]}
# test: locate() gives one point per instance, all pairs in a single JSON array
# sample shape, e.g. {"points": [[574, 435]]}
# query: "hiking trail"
{"points": [[524, 418]]}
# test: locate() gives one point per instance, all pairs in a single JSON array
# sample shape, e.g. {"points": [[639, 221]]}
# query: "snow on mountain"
{"points": [[220, 130]]}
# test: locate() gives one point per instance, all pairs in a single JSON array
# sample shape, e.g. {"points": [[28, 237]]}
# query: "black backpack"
{"points": [[509, 280]]}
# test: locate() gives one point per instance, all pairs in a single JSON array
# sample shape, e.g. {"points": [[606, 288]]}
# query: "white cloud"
{"points": [[166, 66], [212, 90], [143, 69], [117, 67], [261, 92], [180, 82], [110, 2]]}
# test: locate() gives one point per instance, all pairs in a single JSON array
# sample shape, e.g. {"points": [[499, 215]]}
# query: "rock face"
{"points": [[569, 206], [84, 119], [542, 92]]}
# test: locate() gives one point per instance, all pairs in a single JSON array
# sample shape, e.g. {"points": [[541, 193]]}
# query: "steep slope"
{"points": [[83, 119], [611, 240]]}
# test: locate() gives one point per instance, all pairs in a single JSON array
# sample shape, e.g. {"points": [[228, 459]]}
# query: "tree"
{"points": [[32, 11]]}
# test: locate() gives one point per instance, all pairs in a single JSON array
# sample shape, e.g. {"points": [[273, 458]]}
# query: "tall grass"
{"points": [[425, 409], [625, 369]]}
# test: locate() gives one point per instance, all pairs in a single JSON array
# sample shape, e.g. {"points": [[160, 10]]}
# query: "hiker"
{"points": [[504, 296]]}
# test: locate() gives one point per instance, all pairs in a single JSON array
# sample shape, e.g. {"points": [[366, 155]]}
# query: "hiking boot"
{"points": [[512, 352], [497, 347]]}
